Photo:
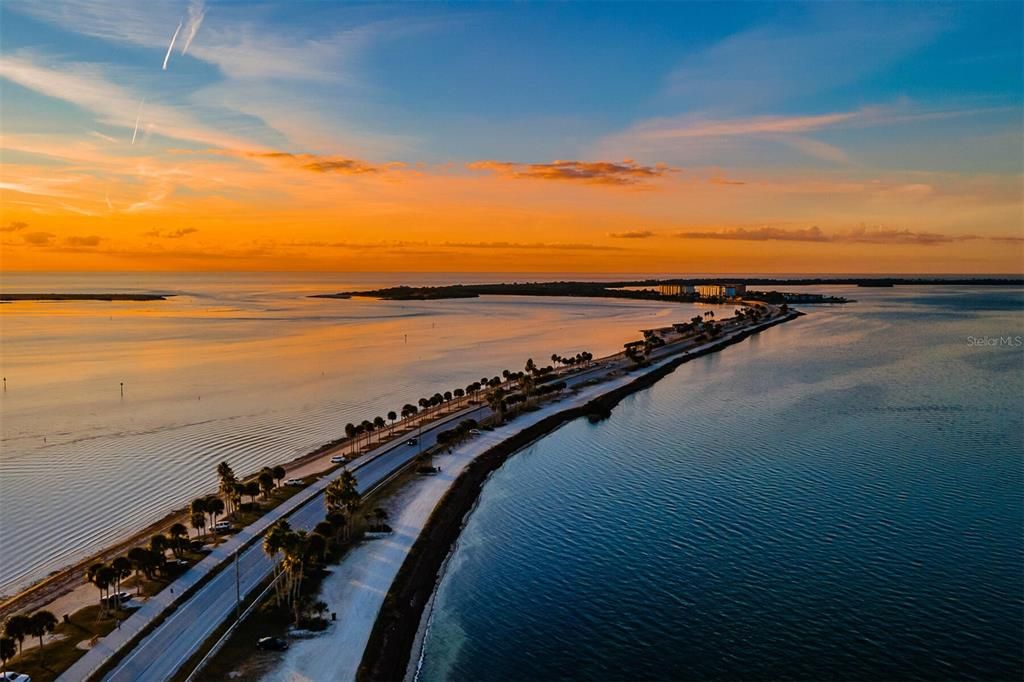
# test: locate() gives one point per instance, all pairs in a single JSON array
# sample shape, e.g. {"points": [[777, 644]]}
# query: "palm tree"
{"points": [[177, 532], [279, 474], [391, 418], [273, 543], [214, 507], [100, 575], [252, 489], [142, 560], [379, 423], [198, 507], [158, 544], [199, 523], [459, 394], [41, 623], [122, 566], [8, 649], [16, 628], [367, 429], [266, 481], [227, 482], [350, 430]]}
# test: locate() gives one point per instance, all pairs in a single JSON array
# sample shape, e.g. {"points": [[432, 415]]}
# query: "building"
{"points": [[721, 290], [676, 289]]}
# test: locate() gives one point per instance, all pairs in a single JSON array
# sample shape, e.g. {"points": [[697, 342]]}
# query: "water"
{"points": [[239, 367], [838, 498]]}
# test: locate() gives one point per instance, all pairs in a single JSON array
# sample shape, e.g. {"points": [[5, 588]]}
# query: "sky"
{"points": [[680, 137]]}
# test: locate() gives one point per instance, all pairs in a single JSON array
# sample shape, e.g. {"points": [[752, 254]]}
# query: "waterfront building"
{"points": [[721, 290], [676, 289]]}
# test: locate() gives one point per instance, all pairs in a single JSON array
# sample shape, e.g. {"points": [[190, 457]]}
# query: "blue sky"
{"points": [[910, 109]]}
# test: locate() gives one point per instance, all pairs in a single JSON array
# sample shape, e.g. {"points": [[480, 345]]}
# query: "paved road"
{"points": [[161, 653], [174, 641]]}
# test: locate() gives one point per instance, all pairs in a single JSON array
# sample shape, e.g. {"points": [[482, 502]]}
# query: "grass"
{"points": [[47, 663]]}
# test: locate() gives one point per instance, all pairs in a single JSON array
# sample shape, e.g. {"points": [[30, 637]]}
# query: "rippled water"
{"points": [[238, 367], [838, 498]]}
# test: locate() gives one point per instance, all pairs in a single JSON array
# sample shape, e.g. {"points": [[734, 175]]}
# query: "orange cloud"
{"points": [[626, 172], [859, 235], [632, 234]]}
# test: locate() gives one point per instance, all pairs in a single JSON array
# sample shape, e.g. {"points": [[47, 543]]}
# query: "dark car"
{"points": [[271, 644], [411, 441]]}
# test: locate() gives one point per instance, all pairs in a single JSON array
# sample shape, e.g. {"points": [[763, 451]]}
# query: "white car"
{"points": [[338, 459], [11, 676], [474, 432], [222, 527], [298, 482]]}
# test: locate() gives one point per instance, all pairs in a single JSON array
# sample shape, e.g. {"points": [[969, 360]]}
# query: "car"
{"points": [[11, 676], [298, 482], [271, 644], [118, 598], [338, 459], [223, 527], [411, 441], [474, 432]]}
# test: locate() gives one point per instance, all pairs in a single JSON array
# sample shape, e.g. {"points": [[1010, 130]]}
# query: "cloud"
{"points": [[85, 86], [626, 172], [538, 246], [196, 13], [316, 163], [720, 180], [175, 234], [13, 226], [38, 238], [810, 234], [858, 235], [91, 240], [635, 234]]}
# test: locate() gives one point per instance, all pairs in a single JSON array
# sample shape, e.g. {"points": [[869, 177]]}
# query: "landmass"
{"points": [[654, 289], [83, 297]]}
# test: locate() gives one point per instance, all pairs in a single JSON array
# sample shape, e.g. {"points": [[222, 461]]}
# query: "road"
{"points": [[177, 638]]}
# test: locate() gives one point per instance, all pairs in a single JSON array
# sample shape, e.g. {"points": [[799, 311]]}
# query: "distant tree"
{"points": [[142, 561], [252, 489], [379, 423], [227, 482], [158, 544], [122, 566], [266, 482], [101, 575], [214, 507], [8, 650], [198, 521], [279, 474], [40, 623], [177, 532], [16, 628], [391, 418]]}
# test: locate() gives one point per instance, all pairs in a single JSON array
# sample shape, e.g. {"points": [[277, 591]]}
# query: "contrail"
{"points": [[167, 57], [138, 115], [196, 12]]}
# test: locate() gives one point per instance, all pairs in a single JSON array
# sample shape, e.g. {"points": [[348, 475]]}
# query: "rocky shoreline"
{"points": [[390, 646]]}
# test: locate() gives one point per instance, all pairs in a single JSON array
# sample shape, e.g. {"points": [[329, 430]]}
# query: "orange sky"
{"points": [[330, 141], [77, 206]]}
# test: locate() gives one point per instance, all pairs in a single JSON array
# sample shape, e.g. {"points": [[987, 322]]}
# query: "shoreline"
{"points": [[400, 623]]}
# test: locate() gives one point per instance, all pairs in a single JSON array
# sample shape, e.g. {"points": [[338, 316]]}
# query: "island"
{"points": [[8, 298]]}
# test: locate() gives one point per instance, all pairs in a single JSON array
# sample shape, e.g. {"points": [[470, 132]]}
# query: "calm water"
{"points": [[838, 498], [243, 368]]}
